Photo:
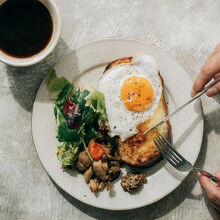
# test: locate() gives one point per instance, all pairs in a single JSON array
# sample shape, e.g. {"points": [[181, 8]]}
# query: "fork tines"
{"points": [[168, 151]]}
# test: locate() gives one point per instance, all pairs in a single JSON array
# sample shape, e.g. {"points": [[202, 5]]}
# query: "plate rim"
{"points": [[82, 45]]}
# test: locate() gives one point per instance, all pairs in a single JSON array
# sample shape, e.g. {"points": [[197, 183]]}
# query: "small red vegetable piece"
{"points": [[96, 150], [71, 110], [74, 124]]}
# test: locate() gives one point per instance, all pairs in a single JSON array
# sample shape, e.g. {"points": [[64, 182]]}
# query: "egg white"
{"points": [[123, 122]]}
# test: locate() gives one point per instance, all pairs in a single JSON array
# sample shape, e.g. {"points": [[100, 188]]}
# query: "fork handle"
{"points": [[209, 175], [181, 107]]}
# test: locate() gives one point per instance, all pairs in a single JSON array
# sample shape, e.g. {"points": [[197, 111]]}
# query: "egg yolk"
{"points": [[137, 93]]}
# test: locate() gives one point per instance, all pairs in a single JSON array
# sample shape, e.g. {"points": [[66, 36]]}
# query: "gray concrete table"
{"points": [[188, 29]]}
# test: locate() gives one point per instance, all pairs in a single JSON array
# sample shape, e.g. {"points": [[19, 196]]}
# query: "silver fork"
{"points": [[177, 160]]}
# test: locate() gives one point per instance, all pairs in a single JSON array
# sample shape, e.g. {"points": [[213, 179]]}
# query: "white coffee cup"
{"points": [[27, 61]]}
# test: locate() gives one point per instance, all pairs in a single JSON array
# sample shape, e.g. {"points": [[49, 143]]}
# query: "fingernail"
{"points": [[199, 174], [212, 91], [193, 93]]}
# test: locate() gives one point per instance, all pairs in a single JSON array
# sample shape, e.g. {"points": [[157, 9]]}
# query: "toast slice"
{"points": [[140, 150]]}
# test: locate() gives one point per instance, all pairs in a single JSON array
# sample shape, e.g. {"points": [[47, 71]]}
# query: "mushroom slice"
{"points": [[117, 155], [110, 157], [83, 162], [108, 148], [88, 174], [80, 166], [84, 158], [109, 186], [105, 166], [104, 158], [114, 169], [114, 163], [101, 185], [99, 171], [113, 176], [93, 186], [96, 179]]}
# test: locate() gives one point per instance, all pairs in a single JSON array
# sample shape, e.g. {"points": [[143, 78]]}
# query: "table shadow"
{"points": [[24, 82], [212, 121], [217, 98]]}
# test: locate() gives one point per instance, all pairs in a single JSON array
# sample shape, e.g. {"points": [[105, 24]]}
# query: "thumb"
{"points": [[217, 175]]}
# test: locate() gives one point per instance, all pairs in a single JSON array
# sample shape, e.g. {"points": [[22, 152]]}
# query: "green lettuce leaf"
{"points": [[79, 97], [91, 130], [93, 116], [55, 85], [64, 94], [96, 100], [88, 115], [67, 152], [64, 132]]}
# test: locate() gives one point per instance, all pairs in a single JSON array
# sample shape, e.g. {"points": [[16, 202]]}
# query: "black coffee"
{"points": [[25, 27]]}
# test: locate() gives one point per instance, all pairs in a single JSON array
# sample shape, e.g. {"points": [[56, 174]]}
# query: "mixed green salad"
{"points": [[79, 114]]}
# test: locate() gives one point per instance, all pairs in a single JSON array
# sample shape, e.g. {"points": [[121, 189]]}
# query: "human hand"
{"points": [[212, 190], [211, 69]]}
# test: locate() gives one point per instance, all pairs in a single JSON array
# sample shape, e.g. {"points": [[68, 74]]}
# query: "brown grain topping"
{"points": [[132, 182]]}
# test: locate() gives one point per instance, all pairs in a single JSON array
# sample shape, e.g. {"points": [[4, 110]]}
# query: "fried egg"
{"points": [[132, 92]]}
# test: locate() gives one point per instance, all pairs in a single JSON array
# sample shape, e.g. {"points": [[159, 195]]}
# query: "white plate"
{"points": [[84, 66]]}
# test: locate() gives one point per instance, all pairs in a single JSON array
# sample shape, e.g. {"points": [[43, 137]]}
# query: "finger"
{"points": [[217, 174], [211, 67], [217, 75], [212, 191], [214, 90]]}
